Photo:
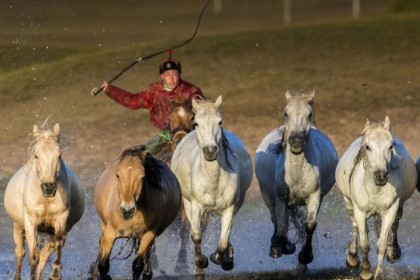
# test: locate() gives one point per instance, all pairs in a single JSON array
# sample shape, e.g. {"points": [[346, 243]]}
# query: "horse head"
{"points": [[137, 170], [130, 175], [208, 126], [298, 120], [378, 147], [45, 154], [180, 120]]}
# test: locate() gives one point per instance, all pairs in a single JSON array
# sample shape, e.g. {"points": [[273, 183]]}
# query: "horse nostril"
{"points": [[210, 152], [49, 189], [127, 213], [381, 177], [49, 186]]}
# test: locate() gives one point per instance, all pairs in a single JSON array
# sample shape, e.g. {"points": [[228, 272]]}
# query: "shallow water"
{"points": [[250, 236]]}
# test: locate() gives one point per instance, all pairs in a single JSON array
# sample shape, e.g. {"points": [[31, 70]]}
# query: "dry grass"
{"points": [[52, 59]]}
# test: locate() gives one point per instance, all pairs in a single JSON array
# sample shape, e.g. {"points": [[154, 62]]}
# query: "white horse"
{"points": [[295, 166], [43, 196], [214, 170], [376, 175]]}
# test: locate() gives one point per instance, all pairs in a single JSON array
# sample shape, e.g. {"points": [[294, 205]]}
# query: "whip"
{"points": [[96, 90]]}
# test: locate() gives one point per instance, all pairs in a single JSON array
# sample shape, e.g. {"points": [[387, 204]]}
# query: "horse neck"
{"points": [[296, 163]]}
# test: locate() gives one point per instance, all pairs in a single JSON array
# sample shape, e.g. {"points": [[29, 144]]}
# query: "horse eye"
{"points": [[367, 148], [118, 176], [35, 156], [391, 147], [221, 122], [310, 115], [194, 124], [285, 114]]}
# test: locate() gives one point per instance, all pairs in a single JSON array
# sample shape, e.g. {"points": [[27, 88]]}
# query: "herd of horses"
{"points": [[207, 169]]}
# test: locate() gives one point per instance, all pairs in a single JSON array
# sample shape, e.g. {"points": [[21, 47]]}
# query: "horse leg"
{"points": [[44, 255], [200, 261], [352, 258], [31, 233], [360, 218], [306, 255], [106, 243], [19, 240], [224, 253], [387, 221], [279, 243], [393, 252], [147, 273], [60, 240], [146, 242]]}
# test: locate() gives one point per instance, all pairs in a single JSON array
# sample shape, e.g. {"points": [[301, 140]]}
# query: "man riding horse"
{"points": [[157, 98]]}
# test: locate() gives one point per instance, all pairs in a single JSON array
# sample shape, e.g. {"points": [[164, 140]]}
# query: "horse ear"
{"points": [[195, 105], [35, 129], [218, 102], [387, 123], [367, 125], [311, 97], [288, 95], [56, 128]]}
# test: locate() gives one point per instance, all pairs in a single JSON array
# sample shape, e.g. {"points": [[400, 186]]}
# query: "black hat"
{"points": [[170, 65]]}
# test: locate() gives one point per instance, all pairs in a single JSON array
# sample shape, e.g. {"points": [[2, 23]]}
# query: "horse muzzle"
{"points": [[381, 178], [127, 214], [49, 189], [296, 142], [210, 152]]}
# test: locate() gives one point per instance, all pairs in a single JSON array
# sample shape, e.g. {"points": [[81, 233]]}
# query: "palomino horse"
{"points": [[43, 196], [214, 170], [180, 124], [376, 175], [137, 196], [295, 166]]}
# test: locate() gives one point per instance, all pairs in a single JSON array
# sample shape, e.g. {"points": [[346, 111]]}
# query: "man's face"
{"points": [[170, 78]]}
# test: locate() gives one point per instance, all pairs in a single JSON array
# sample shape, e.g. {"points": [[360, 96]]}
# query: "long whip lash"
{"points": [[95, 90]]}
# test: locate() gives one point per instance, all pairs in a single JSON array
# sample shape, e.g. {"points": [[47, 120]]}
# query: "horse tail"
{"points": [[297, 217]]}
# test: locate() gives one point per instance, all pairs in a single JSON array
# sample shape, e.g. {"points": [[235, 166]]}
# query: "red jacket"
{"points": [[155, 99]]}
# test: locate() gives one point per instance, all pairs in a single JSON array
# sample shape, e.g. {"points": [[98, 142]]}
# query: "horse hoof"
{"points": [[393, 254], [202, 262], [106, 277], [289, 248], [216, 258], [305, 258], [227, 266], [352, 262], [147, 276], [366, 275], [275, 252]]}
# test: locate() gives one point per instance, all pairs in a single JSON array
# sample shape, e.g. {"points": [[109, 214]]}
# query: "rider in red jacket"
{"points": [[157, 99]]}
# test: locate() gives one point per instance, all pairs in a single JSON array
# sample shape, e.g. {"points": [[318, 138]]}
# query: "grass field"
{"points": [[51, 57]]}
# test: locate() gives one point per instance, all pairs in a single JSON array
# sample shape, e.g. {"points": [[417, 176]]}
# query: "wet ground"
{"points": [[250, 235]]}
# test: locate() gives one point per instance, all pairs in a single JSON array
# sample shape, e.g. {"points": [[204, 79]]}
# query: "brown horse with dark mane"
{"points": [[138, 197], [180, 124]]}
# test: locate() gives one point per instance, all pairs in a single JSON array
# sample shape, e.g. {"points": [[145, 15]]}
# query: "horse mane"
{"points": [[153, 170], [203, 103], [362, 151], [226, 148]]}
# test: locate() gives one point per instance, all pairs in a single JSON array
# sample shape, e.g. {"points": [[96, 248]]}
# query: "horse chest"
{"points": [[134, 227], [301, 181], [45, 208], [217, 193], [377, 200]]}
